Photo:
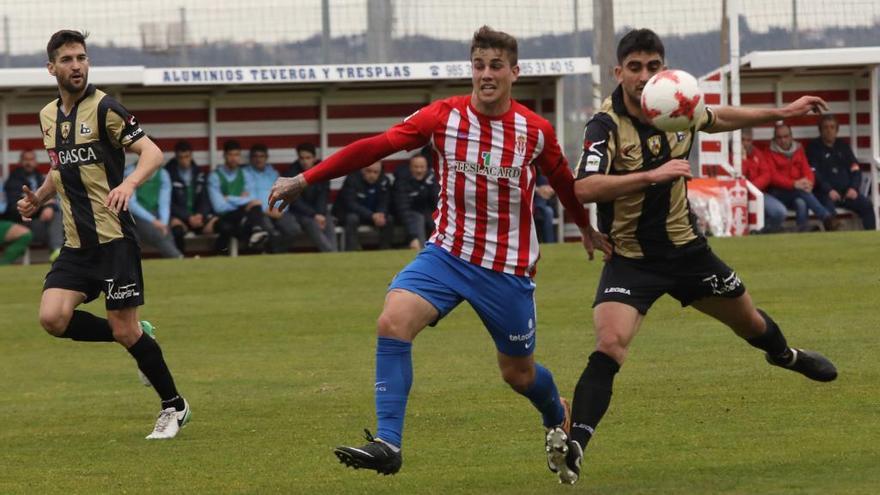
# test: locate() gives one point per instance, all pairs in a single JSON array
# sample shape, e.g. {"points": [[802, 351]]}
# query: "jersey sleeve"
{"points": [[416, 130], [599, 146], [123, 128], [554, 165]]}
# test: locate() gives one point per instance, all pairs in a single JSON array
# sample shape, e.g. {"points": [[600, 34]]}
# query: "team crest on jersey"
{"points": [[520, 147], [654, 144], [65, 130]]}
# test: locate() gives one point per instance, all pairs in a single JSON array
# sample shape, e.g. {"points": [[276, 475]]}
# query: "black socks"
{"points": [[592, 396], [86, 327], [772, 341], [150, 361]]}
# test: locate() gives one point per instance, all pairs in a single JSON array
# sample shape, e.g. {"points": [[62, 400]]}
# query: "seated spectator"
{"points": [[240, 215], [415, 198], [190, 205], [14, 237], [545, 209], [364, 200], [310, 209], [282, 226], [46, 226], [793, 179], [838, 176], [757, 168], [150, 205]]}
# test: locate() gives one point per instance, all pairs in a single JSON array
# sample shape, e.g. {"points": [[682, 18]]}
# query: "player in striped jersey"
{"points": [[637, 174], [484, 249], [86, 133]]}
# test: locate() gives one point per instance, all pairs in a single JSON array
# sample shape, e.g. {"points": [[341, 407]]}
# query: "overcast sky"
{"points": [[122, 22]]}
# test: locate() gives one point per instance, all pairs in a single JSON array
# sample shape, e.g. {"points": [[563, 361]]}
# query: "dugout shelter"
{"points": [[847, 78]]}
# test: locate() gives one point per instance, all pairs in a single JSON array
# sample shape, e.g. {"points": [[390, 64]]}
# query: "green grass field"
{"points": [[275, 354]]}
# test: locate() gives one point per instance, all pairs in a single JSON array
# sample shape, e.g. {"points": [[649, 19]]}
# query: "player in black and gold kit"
{"points": [[637, 175], [86, 133]]}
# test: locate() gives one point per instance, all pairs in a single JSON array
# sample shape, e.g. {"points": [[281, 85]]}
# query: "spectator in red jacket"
{"points": [[793, 179], [758, 169]]}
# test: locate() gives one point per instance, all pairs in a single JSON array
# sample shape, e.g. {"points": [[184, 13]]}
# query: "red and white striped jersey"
{"points": [[486, 170]]}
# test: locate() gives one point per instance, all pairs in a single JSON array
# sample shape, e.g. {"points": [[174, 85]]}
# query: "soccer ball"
{"points": [[672, 101]]}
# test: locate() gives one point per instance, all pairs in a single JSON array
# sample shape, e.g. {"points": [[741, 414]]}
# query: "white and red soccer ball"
{"points": [[672, 101]]}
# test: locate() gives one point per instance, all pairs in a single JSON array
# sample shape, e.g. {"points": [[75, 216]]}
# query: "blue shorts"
{"points": [[505, 303]]}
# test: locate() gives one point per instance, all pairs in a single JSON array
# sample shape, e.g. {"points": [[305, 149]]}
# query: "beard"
{"points": [[68, 85]]}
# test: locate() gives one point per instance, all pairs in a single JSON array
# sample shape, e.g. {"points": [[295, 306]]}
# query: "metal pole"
{"points": [[725, 35], [603, 43], [184, 55], [4, 138], [325, 32], [734, 7], [380, 22], [322, 124], [560, 136], [212, 130], [577, 104], [795, 41], [875, 136], [7, 58]]}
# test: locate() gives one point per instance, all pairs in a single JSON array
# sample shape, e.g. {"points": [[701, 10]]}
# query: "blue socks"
{"points": [[545, 397], [394, 378]]}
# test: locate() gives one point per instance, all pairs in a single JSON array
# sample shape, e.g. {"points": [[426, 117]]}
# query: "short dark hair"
{"points": [[231, 145], [257, 147], [827, 117], [639, 40], [780, 125], [181, 146], [310, 147], [487, 37], [62, 38]]}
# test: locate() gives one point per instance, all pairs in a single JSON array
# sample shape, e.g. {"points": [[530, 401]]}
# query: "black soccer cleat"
{"points": [[808, 363], [375, 455], [564, 456]]}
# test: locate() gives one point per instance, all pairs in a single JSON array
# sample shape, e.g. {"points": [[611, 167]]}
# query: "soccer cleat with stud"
{"points": [[169, 422], [564, 456], [376, 455], [808, 363], [150, 330]]}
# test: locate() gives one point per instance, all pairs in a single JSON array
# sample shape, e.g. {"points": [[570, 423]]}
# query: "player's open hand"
{"points": [[805, 105], [593, 240], [118, 198], [286, 190], [28, 204]]}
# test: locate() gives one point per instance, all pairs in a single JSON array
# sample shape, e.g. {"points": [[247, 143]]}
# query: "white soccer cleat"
{"points": [[169, 422]]}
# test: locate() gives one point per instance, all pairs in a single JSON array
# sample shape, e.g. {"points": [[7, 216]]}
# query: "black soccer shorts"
{"points": [[113, 268], [640, 282]]}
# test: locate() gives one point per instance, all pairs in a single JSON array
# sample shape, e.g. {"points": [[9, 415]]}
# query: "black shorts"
{"points": [[693, 276], [114, 268]]}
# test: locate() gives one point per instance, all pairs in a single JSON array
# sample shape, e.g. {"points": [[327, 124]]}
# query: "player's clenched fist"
{"points": [[28, 204]]}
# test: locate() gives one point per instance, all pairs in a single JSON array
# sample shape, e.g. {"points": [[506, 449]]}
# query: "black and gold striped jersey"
{"points": [[87, 154], [656, 221]]}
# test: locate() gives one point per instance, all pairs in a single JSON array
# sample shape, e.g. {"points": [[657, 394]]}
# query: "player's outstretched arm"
{"points": [[355, 156], [732, 118]]}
